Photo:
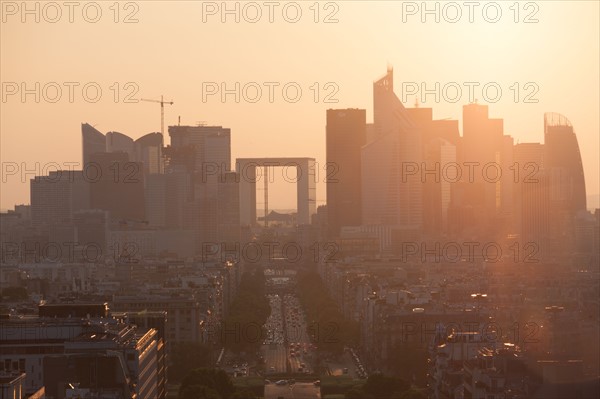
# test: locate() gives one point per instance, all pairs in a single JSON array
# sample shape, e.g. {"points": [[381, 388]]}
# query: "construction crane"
{"points": [[162, 111]]}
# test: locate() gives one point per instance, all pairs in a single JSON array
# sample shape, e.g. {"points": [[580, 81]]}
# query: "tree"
{"points": [[409, 362], [215, 379], [382, 387], [198, 392], [186, 356], [247, 314], [244, 394]]}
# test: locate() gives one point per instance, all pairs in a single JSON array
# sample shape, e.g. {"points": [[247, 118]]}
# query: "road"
{"points": [[275, 357]]}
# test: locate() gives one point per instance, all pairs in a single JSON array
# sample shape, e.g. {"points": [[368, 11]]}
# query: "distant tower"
{"points": [[346, 134]]}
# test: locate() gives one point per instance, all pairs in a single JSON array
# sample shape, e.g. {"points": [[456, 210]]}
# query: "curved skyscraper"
{"points": [[562, 160], [149, 151], [566, 183], [119, 142]]}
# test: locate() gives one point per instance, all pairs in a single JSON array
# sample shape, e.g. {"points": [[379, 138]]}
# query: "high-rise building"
{"points": [[148, 150], [562, 162], [92, 142], [346, 134], [439, 156], [526, 168], [117, 185], [390, 194], [118, 142], [54, 198], [483, 144], [211, 146], [228, 214], [155, 196]]}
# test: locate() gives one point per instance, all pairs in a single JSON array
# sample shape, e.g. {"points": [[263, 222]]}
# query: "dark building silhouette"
{"points": [[390, 196], [440, 148], [93, 141], [54, 198], [483, 143], [562, 162], [346, 134], [148, 150], [117, 185]]}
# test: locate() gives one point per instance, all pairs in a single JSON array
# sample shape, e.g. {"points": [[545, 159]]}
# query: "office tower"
{"points": [[562, 159], [211, 145], [390, 194], [483, 145], [562, 162], [118, 142], [439, 158], [228, 217], [534, 213], [389, 115], [198, 156], [346, 134], [505, 187], [148, 150], [155, 196], [431, 129], [92, 142], [54, 198], [117, 185], [91, 228], [440, 145], [180, 198], [527, 165]]}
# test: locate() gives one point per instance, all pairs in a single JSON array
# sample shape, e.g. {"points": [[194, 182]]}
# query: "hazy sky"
{"points": [[176, 49]]}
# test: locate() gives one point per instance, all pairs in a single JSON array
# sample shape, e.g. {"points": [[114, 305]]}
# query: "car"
{"points": [[272, 368], [267, 382], [317, 383], [281, 382], [345, 370]]}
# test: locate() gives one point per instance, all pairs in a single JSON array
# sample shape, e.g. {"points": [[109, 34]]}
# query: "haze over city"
{"points": [[170, 51], [327, 199]]}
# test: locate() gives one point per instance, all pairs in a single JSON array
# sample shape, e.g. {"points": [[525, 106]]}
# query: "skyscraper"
{"points": [[211, 145], [346, 134], [439, 153], [54, 198], [562, 162], [148, 150], [390, 195], [92, 142], [483, 144], [119, 142], [527, 166], [117, 185]]}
